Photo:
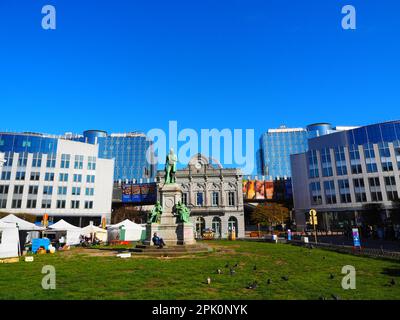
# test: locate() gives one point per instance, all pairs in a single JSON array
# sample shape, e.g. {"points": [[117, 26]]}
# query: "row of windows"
{"points": [[49, 176], [46, 204], [50, 162], [47, 190], [359, 190], [215, 199], [355, 160]]}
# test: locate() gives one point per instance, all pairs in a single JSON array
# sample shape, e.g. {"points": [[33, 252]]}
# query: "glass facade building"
{"points": [[344, 172], [129, 150], [276, 146]]}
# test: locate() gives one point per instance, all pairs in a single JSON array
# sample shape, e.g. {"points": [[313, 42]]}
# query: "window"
{"points": [[46, 203], [18, 189], [63, 177], [384, 153], [31, 204], [396, 146], [6, 175], [231, 198], [49, 176], [77, 178], [16, 204], [375, 188], [20, 175], [65, 161], [3, 203], [47, 190], [78, 164], [185, 196], [76, 191], [370, 161], [23, 159], [326, 163], [344, 191], [51, 161], [90, 179], [35, 176], [355, 161], [330, 195], [391, 191], [215, 199], [37, 160], [91, 163], [340, 158], [62, 191], [313, 164], [9, 158], [315, 193], [359, 190], [4, 189], [88, 204], [33, 189], [60, 204], [199, 199], [89, 191], [75, 204]]}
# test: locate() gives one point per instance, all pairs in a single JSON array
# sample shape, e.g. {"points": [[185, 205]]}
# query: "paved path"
{"points": [[366, 243]]}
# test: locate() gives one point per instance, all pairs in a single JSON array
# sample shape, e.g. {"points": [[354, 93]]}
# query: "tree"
{"points": [[270, 214]]}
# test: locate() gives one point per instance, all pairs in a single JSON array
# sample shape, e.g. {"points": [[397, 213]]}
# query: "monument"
{"points": [[170, 217]]}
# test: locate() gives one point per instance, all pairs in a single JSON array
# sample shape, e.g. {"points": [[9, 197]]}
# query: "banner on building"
{"points": [[145, 193]]}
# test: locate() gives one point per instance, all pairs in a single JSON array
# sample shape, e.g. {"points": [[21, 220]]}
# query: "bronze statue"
{"points": [[155, 215], [170, 167], [182, 212]]}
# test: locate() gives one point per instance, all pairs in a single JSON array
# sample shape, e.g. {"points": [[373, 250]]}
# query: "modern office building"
{"points": [[276, 146], [129, 150], [43, 174], [343, 172], [213, 194]]}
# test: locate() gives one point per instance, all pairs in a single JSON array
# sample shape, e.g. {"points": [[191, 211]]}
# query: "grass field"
{"points": [[89, 274]]}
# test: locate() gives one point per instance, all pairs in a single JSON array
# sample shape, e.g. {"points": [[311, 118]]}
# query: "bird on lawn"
{"points": [[236, 265], [208, 280], [392, 282], [323, 258], [227, 265], [232, 272], [269, 281], [285, 278], [219, 271], [255, 268], [254, 285], [335, 297], [331, 276]]}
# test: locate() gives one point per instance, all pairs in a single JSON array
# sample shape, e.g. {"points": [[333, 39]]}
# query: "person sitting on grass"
{"points": [[158, 241]]}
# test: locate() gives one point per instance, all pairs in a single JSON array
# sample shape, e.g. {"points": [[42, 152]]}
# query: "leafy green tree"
{"points": [[270, 214]]}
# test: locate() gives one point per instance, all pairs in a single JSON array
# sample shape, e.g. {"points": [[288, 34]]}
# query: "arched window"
{"points": [[233, 225], [216, 226], [200, 226]]}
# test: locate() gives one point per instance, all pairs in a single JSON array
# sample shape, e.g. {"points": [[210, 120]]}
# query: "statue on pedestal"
{"points": [[170, 167], [155, 215], [182, 212]]}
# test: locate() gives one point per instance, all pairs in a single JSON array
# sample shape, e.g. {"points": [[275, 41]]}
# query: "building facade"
{"points": [[213, 194], [344, 172], [130, 151], [276, 146], [51, 175]]}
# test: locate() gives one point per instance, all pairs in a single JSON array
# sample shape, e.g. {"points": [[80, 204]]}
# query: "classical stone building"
{"points": [[213, 194]]}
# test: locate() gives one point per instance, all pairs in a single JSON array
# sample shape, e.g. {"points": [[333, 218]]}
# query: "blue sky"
{"points": [[126, 65]]}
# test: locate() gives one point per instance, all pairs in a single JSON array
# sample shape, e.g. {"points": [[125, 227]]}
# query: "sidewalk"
{"points": [[366, 243]]}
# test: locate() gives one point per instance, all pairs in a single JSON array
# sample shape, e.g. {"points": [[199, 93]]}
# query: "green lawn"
{"points": [[84, 276]]}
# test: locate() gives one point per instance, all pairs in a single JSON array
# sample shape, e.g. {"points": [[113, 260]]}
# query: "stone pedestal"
{"points": [[172, 232]]}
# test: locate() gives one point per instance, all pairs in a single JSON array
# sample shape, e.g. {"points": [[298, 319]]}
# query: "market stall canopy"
{"points": [[128, 224], [92, 229], [22, 224], [9, 240], [62, 225]]}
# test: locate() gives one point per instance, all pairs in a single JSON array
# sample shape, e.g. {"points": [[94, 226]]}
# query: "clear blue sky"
{"points": [[125, 65]]}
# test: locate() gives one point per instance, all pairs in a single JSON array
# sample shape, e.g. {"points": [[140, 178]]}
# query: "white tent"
{"points": [[128, 231], [100, 233], [73, 233], [9, 240], [23, 225]]}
